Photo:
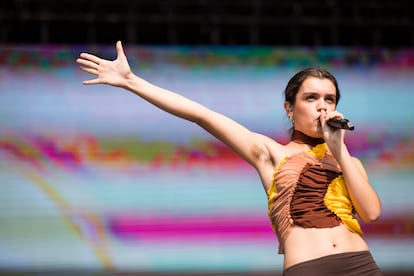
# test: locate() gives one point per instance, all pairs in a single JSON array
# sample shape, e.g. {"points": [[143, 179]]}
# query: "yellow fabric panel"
{"points": [[319, 151], [273, 190], [337, 200]]}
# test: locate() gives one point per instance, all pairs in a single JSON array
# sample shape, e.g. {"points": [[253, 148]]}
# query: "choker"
{"points": [[302, 138]]}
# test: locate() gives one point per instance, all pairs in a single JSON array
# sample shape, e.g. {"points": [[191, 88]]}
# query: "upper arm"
{"points": [[250, 146]]}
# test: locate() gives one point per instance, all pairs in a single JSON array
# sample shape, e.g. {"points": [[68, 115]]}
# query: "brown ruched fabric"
{"points": [[307, 207], [285, 183]]}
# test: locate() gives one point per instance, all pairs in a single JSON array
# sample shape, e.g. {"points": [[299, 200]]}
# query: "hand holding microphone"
{"points": [[339, 123]]}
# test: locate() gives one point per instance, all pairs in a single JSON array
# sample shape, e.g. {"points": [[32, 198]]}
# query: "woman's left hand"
{"points": [[334, 137]]}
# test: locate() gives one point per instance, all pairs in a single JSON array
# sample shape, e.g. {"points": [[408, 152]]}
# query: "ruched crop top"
{"points": [[309, 191]]}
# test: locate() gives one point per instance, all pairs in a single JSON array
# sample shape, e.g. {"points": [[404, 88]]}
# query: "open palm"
{"points": [[107, 72]]}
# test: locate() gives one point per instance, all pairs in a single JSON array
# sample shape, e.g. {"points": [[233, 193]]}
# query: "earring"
{"points": [[290, 115]]}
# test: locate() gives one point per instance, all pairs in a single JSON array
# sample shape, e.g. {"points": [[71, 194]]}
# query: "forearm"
{"points": [[238, 138], [164, 99], [363, 196]]}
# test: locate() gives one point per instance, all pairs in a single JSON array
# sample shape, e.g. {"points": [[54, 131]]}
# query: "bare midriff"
{"points": [[304, 244]]}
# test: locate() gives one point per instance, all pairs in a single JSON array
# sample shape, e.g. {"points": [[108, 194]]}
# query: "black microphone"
{"points": [[340, 123]]}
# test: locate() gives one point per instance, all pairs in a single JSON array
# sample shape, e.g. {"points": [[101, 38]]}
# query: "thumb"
{"points": [[119, 49]]}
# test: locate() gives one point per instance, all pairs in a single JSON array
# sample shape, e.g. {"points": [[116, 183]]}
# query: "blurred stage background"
{"points": [[93, 180]]}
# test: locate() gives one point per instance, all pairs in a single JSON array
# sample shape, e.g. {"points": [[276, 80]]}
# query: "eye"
{"points": [[331, 99], [310, 97]]}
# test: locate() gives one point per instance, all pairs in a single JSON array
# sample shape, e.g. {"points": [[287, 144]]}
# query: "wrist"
{"points": [[132, 82], [341, 154], [136, 85]]}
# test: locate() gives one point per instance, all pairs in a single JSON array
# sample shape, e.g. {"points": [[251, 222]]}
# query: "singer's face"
{"points": [[314, 95]]}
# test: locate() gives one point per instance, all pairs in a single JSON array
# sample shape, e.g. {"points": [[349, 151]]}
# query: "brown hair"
{"points": [[296, 81]]}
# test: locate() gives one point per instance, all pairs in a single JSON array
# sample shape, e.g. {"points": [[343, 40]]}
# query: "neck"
{"points": [[302, 138]]}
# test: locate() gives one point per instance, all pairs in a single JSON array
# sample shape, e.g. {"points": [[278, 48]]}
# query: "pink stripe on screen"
{"points": [[201, 227]]}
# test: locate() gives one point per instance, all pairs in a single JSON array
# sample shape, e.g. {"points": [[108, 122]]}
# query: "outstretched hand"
{"points": [[107, 72]]}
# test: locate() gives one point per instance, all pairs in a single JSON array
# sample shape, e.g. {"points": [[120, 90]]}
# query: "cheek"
{"points": [[306, 110], [304, 116], [332, 107]]}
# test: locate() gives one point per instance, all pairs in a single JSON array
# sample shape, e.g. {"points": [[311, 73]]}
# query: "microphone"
{"points": [[340, 123]]}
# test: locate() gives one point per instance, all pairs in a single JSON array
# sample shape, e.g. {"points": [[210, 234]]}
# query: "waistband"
{"points": [[360, 263]]}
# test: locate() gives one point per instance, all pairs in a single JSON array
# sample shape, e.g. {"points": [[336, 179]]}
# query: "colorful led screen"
{"points": [[95, 178]]}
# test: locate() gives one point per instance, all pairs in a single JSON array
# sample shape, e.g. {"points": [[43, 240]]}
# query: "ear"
{"points": [[288, 108]]}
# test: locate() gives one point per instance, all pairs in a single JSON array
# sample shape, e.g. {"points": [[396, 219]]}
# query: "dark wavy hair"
{"points": [[296, 81]]}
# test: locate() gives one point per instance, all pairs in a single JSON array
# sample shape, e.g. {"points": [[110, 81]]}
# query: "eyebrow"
{"points": [[317, 93], [331, 96]]}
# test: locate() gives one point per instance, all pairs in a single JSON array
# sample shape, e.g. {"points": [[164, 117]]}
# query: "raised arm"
{"points": [[364, 197], [250, 146]]}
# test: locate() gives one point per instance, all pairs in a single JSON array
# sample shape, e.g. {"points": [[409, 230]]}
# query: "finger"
{"points": [[323, 115], [89, 82], [89, 70], [119, 49], [336, 115], [323, 118], [90, 57], [87, 63]]}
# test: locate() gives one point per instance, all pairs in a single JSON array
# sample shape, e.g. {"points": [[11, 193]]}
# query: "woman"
{"points": [[314, 185]]}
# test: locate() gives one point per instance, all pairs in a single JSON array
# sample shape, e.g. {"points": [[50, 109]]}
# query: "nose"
{"points": [[322, 105]]}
